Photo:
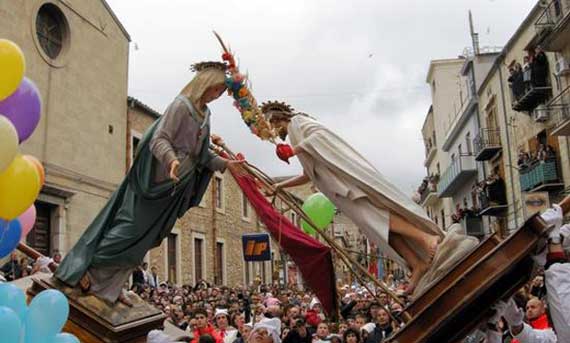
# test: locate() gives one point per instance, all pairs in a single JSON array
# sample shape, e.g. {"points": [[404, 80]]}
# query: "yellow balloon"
{"points": [[12, 67], [8, 143], [19, 188]]}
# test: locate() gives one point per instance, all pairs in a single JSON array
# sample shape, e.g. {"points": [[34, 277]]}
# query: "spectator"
{"points": [[138, 277], [383, 328], [153, 278], [351, 336], [298, 332], [203, 328], [322, 333], [267, 330], [12, 269]]}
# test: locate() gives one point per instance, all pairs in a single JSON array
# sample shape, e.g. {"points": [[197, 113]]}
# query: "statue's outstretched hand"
{"points": [[174, 170], [217, 140], [236, 167]]}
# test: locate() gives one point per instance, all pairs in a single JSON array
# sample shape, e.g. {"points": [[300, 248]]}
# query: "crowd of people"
{"points": [[229, 314], [428, 183], [544, 153], [532, 73], [491, 191], [18, 267], [273, 314]]}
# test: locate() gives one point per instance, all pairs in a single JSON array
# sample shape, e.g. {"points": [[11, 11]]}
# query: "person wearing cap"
{"points": [[268, 330], [314, 315], [203, 328], [223, 328]]}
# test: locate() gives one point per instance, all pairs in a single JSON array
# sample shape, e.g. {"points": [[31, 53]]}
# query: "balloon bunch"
{"points": [[21, 176], [244, 100], [320, 210], [26, 324]]}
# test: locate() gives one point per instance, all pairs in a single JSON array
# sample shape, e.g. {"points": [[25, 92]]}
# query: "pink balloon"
{"points": [[27, 220]]}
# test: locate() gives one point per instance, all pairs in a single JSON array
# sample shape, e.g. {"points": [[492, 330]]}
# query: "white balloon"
{"points": [[8, 143]]}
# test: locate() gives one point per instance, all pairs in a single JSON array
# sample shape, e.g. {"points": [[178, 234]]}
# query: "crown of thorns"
{"points": [[276, 106], [200, 66]]}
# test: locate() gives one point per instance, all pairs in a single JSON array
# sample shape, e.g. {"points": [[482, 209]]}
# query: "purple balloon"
{"points": [[23, 108]]}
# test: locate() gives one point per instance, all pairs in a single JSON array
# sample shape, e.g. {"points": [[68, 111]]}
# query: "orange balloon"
{"points": [[39, 166]]}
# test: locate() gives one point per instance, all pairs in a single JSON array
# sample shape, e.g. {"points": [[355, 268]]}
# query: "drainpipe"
{"points": [[214, 217], [508, 142]]}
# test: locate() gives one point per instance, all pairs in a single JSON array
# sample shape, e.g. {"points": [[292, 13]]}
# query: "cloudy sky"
{"points": [[359, 66]]}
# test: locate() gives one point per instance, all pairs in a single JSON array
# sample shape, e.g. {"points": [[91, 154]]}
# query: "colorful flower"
{"points": [[244, 102], [243, 92], [247, 115], [238, 77]]}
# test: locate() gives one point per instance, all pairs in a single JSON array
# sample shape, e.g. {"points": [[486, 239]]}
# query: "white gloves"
{"points": [[554, 217], [565, 233], [509, 310]]}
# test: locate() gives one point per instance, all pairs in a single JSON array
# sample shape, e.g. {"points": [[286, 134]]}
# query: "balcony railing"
{"points": [[473, 225], [530, 90], [428, 195], [493, 199], [552, 25], [559, 109], [541, 176], [460, 171], [487, 144]]}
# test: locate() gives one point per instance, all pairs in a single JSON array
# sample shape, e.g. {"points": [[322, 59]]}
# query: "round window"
{"points": [[51, 30]]}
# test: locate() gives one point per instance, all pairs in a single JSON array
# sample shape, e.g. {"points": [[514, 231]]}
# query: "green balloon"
{"points": [[320, 210]]}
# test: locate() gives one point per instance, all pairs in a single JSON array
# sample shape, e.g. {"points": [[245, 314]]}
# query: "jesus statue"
{"points": [[387, 216]]}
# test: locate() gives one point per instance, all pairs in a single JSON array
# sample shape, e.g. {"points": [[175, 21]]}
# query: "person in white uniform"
{"points": [[554, 260]]}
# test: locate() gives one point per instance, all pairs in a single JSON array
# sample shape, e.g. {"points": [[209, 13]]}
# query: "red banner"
{"points": [[313, 258]]}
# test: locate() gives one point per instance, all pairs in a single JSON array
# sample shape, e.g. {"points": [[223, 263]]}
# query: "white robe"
{"points": [[358, 190]]}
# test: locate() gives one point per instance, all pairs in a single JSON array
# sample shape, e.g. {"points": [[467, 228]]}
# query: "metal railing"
{"points": [[459, 165], [539, 173], [487, 138], [559, 107], [431, 188], [552, 14]]}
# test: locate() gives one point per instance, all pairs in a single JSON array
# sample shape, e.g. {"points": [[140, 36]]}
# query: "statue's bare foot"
{"points": [[417, 274], [85, 283], [431, 243], [125, 300]]}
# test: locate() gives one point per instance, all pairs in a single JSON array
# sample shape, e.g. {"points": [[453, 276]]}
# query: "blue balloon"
{"points": [[10, 234], [65, 338], [10, 325], [13, 298], [46, 316]]}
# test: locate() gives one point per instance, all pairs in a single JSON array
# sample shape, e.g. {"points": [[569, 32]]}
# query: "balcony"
{"points": [[473, 225], [541, 176], [493, 199], [428, 196], [553, 26], [460, 171], [530, 90], [559, 109], [487, 144]]}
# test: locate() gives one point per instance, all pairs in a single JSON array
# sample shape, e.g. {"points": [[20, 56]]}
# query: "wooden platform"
{"points": [[95, 321], [459, 301]]}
